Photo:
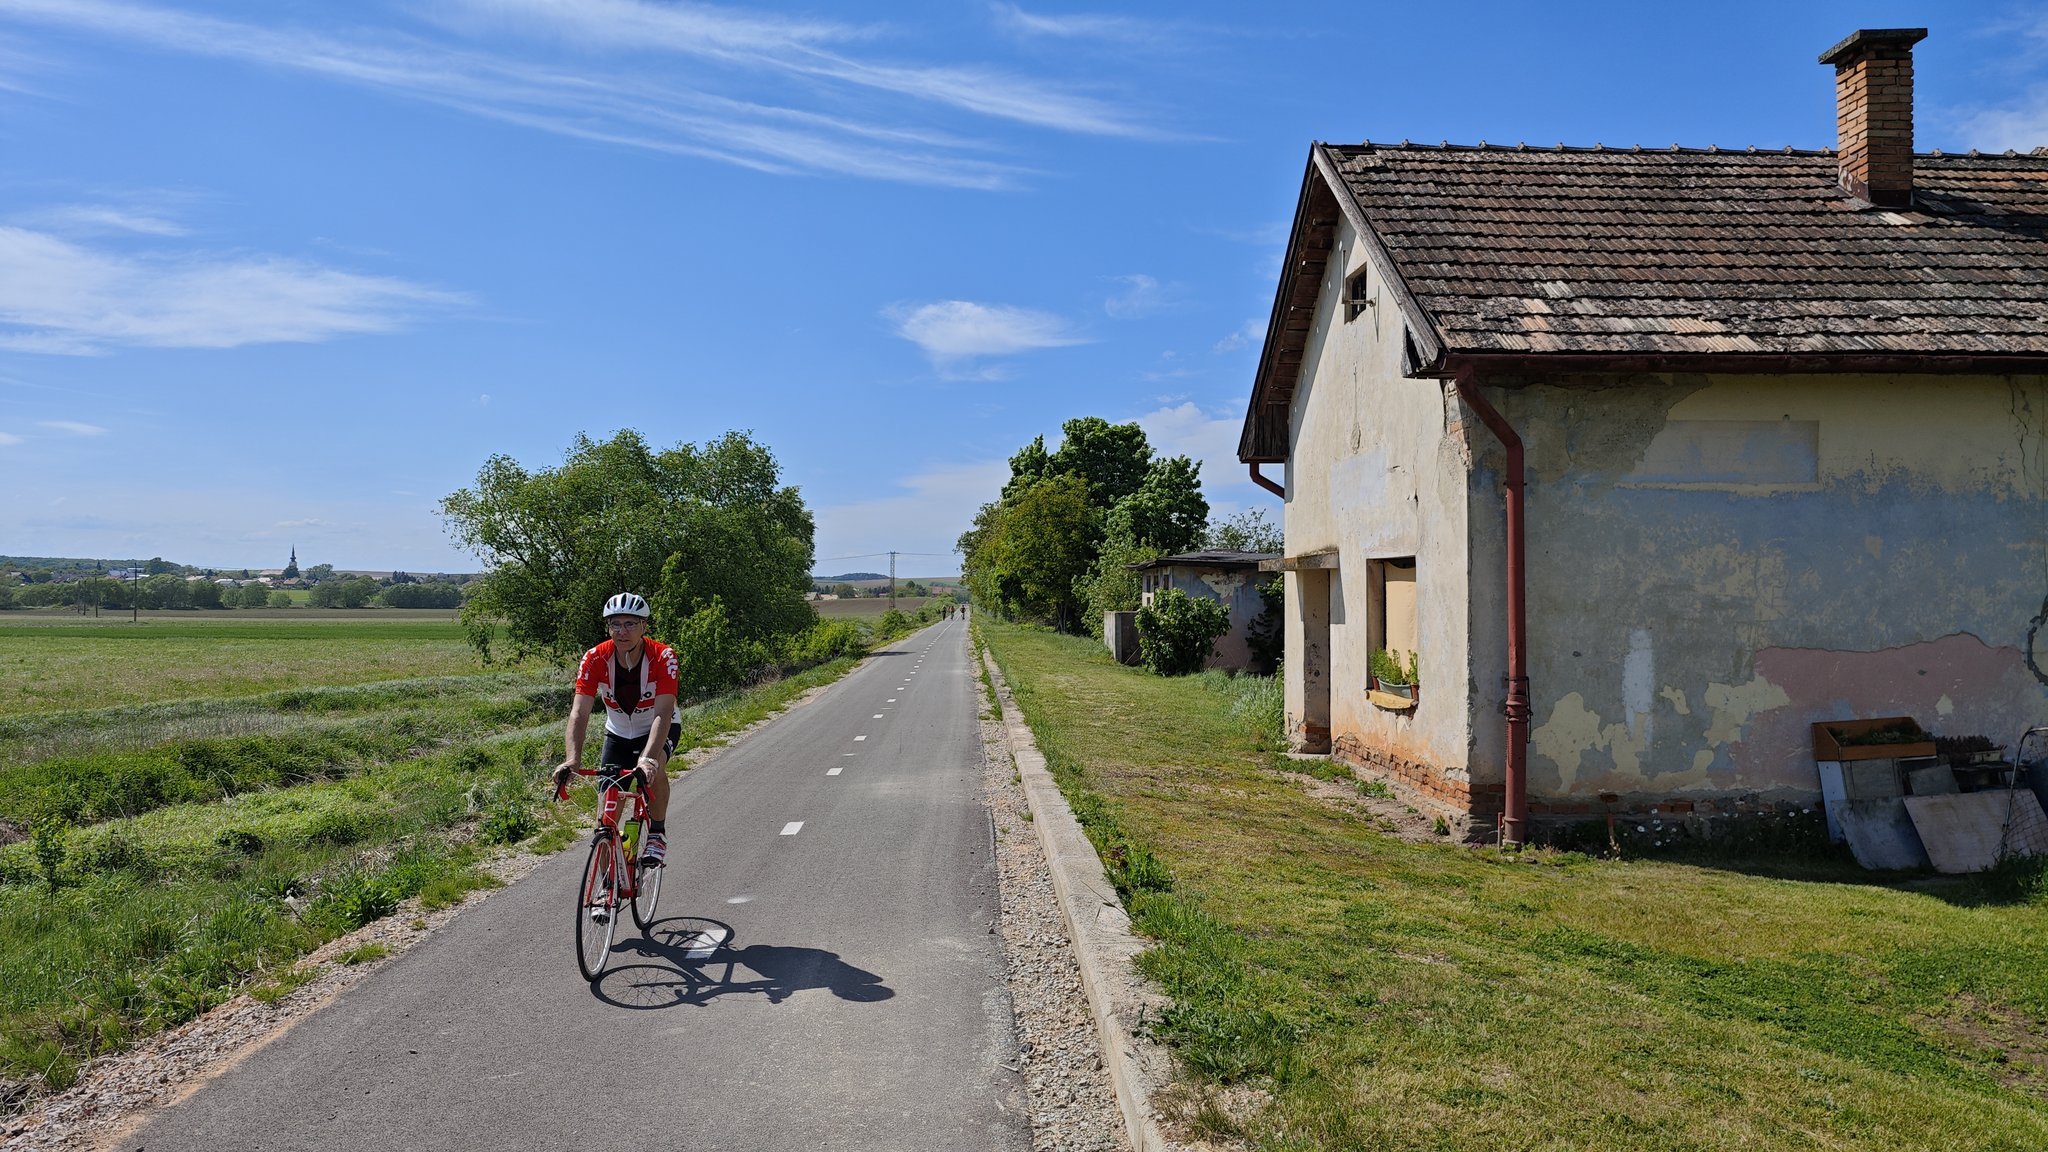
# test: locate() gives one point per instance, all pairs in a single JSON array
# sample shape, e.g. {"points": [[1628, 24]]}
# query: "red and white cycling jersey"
{"points": [[657, 678]]}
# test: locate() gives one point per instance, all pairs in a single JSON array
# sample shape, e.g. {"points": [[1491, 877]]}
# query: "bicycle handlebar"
{"points": [[562, 789]]}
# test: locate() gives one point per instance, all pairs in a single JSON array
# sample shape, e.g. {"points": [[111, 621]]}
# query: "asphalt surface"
{"points": [[831, 985]]}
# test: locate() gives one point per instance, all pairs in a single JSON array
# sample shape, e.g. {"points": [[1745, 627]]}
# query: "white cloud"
{"points": [[8, 439], [1142, 295], [955, 332], [64, 298], [1073, 26], [2021, 126], [101, 218], [932, 509], [617, 102], [1250, 334], [1185, 430], [74, 427]]}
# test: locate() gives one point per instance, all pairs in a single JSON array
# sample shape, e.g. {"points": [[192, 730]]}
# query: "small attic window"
{"points": [[1357, 295]]}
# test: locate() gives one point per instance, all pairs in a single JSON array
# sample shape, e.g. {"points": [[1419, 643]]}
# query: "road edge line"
{"points": [[1098, 926]]}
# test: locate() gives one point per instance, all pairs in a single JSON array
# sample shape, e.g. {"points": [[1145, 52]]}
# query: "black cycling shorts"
{"points": [[622, 753]]}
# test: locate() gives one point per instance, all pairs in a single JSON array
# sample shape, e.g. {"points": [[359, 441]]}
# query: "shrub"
{"points": [[1177, 631], [508, 822], [50, 838]]}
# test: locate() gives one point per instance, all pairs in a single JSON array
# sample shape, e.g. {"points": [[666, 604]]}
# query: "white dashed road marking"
{"points": [[877, 716], [792, 828], [835, 771], [860, 737]]}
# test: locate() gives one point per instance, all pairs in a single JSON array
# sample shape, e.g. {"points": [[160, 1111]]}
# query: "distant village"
{"points": [[91, 584]]}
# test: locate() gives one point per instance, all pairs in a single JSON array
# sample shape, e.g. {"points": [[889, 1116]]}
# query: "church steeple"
{"points": [[291, 570]]}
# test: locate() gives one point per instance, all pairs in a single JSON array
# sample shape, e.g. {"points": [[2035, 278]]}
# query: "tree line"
{"points": [[173, 592]]}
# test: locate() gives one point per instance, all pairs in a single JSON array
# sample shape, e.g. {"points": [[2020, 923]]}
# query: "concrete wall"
{"points": [[1716, 562], [1378, 469]]}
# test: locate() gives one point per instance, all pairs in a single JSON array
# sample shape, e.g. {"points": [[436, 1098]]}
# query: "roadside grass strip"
{"points": [[154, 884], [1333, 987]]}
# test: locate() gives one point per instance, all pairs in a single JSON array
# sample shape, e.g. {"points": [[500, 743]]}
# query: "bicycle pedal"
{"points": [[600, 916]]}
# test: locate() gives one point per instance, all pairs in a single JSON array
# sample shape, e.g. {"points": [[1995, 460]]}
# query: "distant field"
{"points": [[836, 609], [58, 661]]}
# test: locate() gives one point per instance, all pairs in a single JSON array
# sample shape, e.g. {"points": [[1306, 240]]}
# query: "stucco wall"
{"points": [[1377, 470], [1717, 562]]}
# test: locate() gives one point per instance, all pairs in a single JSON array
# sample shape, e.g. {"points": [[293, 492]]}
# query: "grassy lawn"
{"points": [[1337, 988], [67, 663], [162, 848]]}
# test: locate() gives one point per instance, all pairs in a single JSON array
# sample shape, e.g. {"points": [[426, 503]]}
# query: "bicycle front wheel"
{"points": [[646, 891], [597, 906]]}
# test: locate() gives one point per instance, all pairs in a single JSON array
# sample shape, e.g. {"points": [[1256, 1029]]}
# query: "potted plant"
{"points": [[1392, 675]]}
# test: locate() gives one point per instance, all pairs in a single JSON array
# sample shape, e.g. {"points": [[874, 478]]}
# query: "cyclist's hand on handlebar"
{"points": [[562, 780]]}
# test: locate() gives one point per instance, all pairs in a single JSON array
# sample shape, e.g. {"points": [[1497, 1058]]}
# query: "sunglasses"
{"points": [[623, 622]]}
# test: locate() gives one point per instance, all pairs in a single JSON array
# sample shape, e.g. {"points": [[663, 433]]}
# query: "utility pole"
{"points": [[892, 581]]}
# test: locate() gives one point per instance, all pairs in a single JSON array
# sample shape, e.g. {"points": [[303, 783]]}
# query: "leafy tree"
{"points": [[319, 572], [280, 599], [1111, 586], [252, 596], [165, 591], [845, 591], [348, 592], [1248, 531], [1025, 554], [158, 566], [1168, 511], [418, 594], [1176, 632], [202, 593], [1113, 459], [686, 527]]}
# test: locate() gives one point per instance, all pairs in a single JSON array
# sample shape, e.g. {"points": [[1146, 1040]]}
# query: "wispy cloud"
{"points": [[1141, 295], [8, 439], [1249, 334], [92, 219], [954, 333], [926, 513], [73, 427], [64, 298], [2021, 125], [1073, 26], [611, 102]]}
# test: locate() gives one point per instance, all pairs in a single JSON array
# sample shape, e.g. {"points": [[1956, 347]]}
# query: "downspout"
{"points": [[1268, 485], [1515, 818]]}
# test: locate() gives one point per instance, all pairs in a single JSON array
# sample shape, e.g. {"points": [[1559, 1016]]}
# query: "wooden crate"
{"points": [[1827, 747]]}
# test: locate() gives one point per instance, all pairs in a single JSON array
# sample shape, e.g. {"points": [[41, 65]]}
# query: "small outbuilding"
{"points": [[1229, 577]]}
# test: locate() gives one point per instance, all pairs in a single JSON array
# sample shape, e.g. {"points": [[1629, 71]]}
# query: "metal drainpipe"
{"points": [[1515, 819], [1268, 485]]}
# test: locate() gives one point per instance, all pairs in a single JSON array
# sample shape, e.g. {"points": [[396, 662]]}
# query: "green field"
{"points": [[64, 662], [866, 608], [1334, 987], [190, 804]]}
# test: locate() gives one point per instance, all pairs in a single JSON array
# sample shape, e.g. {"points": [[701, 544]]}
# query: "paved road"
{"points": [[856, 1001]]}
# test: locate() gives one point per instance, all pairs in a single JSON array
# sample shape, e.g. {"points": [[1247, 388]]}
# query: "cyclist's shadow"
{"points": [[694, 960]]}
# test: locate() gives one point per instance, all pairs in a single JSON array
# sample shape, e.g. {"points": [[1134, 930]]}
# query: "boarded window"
{"points": [[1396, 625]]}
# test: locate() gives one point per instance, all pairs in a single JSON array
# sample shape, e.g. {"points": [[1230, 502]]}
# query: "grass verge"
{"points": [[1336, 988]]}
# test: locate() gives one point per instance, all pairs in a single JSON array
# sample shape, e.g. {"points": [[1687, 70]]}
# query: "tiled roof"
{"points": [[1605, 251]]}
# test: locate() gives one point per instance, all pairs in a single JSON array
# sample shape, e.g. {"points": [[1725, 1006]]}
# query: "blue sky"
{"points": [[286, 272]]}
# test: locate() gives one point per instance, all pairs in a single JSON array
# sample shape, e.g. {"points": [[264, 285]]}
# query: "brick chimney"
{"points": [[1874, 113]]}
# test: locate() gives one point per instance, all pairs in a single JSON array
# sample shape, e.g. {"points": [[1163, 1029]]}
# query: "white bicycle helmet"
{"points": [[626, 604]]}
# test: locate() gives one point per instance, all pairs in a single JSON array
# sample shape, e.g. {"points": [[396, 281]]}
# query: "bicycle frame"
{"points": [[613, 797]]}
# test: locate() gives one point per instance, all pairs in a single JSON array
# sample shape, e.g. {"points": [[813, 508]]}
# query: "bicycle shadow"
{"points": [[692, 960]]}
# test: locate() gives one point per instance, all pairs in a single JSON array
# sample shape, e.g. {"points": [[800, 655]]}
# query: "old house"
{"points": [[1657, 456]]}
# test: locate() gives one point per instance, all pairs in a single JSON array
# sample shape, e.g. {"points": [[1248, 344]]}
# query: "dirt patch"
{"points": [[2016, 1044], [11, 833], [1374, 800]]}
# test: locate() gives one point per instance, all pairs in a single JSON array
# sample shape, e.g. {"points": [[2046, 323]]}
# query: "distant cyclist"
{"points": [[636, 679]]}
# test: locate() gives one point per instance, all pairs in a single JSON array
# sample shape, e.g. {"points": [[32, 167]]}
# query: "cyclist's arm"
{"points": [[657, 737], [579, 726]]}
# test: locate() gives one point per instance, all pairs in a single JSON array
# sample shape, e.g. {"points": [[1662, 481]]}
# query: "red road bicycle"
{"points": [[615, 876]]}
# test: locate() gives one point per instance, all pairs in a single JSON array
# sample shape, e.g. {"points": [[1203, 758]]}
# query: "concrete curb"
{"points": [[1098, 926]]}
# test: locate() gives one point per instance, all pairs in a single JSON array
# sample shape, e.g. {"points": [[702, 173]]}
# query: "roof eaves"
{"points": [[1420, 324], [1248, 450]]}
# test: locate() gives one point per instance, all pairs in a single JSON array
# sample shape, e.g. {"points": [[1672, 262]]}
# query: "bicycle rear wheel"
{"points": [[597, 906], [646, 892]]}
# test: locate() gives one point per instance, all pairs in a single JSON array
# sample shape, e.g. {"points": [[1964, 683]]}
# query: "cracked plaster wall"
{"points": [[1684, 634]]}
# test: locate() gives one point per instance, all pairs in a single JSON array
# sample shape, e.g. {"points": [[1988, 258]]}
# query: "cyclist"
{"points": [[636, 679]]}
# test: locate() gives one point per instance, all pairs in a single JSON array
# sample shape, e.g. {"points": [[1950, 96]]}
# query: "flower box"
{"points": [[1882, 738]]}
